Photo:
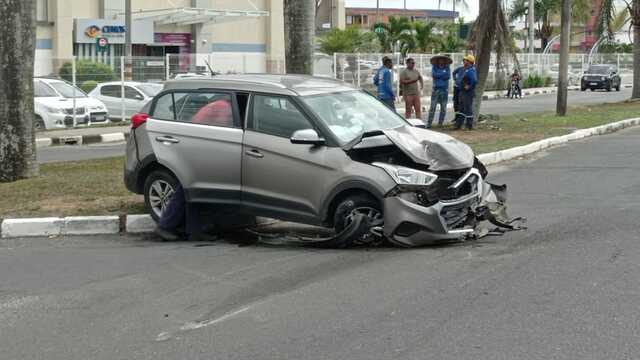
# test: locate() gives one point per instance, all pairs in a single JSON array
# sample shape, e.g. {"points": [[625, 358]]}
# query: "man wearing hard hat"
{"points": [[467, 93]]}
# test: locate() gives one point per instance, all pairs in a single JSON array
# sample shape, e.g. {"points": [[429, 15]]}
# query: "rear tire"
{"points": [[351, 206], [38, 124], [158, 189]]}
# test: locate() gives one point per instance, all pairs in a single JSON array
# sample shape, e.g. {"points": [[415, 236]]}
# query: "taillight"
{"points": [[138, 119]]}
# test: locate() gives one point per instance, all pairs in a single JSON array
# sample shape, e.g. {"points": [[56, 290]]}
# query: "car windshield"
{"points": [[598, 70], [67, 90], [40, 89], [350, 114], [150, 90]]}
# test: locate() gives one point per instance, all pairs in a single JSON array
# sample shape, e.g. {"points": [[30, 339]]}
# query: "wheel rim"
{"points": [[160, 192], [38, 125], [374, 215]]}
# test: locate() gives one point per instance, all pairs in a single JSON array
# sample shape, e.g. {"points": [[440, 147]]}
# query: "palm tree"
{"points": [[397, 34], [17, 43], [425, 38], [299, 30], [608, 19], [490, 31]]}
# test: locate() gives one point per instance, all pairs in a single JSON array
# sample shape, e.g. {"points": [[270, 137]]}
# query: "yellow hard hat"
{"points": [[470, 58]]}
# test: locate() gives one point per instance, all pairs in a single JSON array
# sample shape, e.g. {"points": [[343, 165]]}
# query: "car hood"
{"points": [[431, 148]]}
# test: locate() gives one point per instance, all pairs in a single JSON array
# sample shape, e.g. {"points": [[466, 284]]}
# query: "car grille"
{"points": [[455, 216], [593, 78], [79, 111]]}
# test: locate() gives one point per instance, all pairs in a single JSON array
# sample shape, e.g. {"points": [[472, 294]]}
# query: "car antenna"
{"points": [[210, 69]]}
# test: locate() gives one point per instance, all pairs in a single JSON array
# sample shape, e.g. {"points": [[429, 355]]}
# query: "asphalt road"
{"points": [[568, 288], [528, 104]]}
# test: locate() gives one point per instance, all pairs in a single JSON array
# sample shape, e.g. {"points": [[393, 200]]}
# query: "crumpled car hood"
{"points": [[437, 150]]}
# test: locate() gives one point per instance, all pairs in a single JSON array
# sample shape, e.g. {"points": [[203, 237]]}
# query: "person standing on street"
{"points": [[457, 85], [383, 80], [409, 80], [467, 93], [441, 73]]}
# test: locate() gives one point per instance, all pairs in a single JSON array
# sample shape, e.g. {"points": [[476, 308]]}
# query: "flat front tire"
{"points": [[351, 206]]}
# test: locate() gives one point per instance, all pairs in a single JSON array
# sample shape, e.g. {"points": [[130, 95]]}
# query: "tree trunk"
{"points": [[299, 32], [17, 50], [565, 23], [485, 33], [636, 49]]}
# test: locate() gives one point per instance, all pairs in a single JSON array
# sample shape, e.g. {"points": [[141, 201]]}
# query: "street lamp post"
{"points": [[127, 40], [531, 33]]}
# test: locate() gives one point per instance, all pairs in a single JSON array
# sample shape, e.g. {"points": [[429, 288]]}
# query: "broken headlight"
{"points": [[407, 176]]}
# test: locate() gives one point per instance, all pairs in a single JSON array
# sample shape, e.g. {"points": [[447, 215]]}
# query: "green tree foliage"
{"points": [[88, 70], [449, 41], [396, 35], [350, 40]]}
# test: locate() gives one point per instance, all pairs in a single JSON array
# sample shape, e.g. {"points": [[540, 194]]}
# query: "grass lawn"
{"points": [[514, 130], [95, 187]]}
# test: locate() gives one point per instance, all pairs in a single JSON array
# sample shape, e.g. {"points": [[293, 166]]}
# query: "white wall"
{"points": [[43, 65]]}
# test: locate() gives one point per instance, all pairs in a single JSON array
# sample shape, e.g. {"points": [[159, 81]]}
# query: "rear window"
{"points": [[603, 70], [202, 108]]}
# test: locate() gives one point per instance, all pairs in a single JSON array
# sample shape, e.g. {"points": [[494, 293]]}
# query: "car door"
{"points": [[197, 135], [110, 96], [282, 179]]}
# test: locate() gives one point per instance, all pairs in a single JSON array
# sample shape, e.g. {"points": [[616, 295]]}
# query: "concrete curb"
{"points": [[138, 224], [81, 139], [519, 151]]}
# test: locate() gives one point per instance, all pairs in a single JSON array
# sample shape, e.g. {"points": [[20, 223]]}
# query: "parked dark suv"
{"points": [[600, 77], [309, 150]]}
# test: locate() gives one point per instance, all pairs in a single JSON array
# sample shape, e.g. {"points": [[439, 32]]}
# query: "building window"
{"points": [[349, 19], [42, 11]]}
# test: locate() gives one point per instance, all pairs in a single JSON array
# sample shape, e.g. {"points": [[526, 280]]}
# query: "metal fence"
{"points": [[124, 85], [359, 69]]}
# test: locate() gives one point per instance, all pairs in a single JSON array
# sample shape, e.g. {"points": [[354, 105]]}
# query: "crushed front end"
{"points": [[441, 193], [449, 209]]}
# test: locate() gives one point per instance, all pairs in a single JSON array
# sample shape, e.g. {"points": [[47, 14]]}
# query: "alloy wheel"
{"points": [[160, 193]]}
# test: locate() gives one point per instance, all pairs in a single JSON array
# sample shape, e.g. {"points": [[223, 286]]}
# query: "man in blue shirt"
{"points": [[441, 73], [383, 80], [467, 93], [457, 85]]}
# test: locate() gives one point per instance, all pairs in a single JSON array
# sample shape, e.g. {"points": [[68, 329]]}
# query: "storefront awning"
{"points": [[189, 16]]}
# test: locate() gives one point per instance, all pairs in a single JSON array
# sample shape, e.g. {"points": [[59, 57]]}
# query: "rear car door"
{"points": [[110, 96], [197, 135], [133, 100], [282, 179]]}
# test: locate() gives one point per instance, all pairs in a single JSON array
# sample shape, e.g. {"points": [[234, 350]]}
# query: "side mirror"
{"points": [[308, 137], [139, 97]]}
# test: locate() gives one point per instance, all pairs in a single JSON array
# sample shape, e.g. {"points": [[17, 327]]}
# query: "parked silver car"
{"points": [[136, 95], [309, 150]]}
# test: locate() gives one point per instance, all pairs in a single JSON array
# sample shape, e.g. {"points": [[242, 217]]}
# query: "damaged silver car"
{"points": [[313, 151]]}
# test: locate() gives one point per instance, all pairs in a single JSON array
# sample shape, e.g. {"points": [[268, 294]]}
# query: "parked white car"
{"points": [[53, 103], [136, 95]]}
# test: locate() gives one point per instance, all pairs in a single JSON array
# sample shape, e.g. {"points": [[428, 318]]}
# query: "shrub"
{"points": [[88, 85], [548, 81], [88, 70], [533, 81]]}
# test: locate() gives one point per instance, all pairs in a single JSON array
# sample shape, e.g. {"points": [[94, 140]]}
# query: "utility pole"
{"points": [[565, 23], [127, 40], [377, 11], [532, 47]]}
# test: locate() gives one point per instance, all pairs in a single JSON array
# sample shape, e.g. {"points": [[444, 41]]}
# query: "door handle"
{"points": [[255, 154], [167, 140]]}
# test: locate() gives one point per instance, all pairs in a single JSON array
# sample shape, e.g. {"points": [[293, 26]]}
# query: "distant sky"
{"points": [[469, 13]]}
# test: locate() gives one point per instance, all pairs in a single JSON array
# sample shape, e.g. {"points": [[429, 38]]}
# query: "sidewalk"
{"points": [[489, 95]]}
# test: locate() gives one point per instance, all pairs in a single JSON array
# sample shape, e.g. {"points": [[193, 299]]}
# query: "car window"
{"points": [[67, 90], [41, 89], [163, 109], [202, 108], [132, 94], [111, 90], [277, 116]]}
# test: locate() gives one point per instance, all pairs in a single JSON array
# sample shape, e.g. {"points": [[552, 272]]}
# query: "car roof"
{"points": [[271, 83], [130, 83], [49, 80]]}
